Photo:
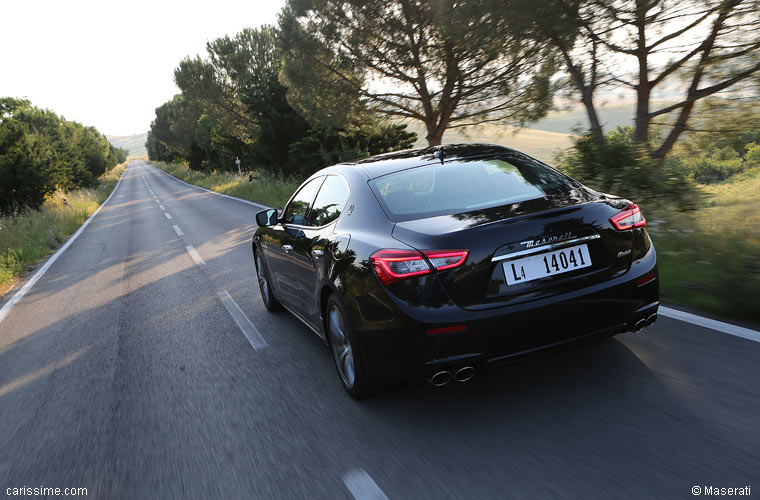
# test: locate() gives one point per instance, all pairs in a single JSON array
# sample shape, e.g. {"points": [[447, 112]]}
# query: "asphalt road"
{"points": [[123, 371]]}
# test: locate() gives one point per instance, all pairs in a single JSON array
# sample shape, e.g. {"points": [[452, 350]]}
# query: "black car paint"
{"points": [[502, 322]]}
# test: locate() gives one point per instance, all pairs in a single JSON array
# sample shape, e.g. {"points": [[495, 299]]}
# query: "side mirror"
{"points": [[266, 218]]}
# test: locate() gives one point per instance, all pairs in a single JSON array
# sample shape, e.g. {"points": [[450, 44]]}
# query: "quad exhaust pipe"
{"points": [[643, 323], [443, 377]]}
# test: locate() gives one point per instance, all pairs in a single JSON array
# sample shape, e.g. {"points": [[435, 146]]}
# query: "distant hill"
{"points": [[538, 143], [135, 144]]}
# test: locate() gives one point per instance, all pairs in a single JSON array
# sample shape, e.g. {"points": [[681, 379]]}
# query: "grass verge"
{"points": [[266, 188], [31, 235], [710, 259]]}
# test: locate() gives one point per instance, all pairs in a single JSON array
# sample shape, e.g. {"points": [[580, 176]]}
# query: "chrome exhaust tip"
{"points": [[639, 325], [651, 319], [464, 374], [441, 378]]}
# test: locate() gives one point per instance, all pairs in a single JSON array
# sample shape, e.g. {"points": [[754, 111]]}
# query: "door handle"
{"points": [[287, 248], [317, 252]]}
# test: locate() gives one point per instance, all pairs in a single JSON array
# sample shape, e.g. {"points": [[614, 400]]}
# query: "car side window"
{"points": [[330, 201], [298, 208]]}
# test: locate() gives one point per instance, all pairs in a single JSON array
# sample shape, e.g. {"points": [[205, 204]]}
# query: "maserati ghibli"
{"points": [[443, 261]]}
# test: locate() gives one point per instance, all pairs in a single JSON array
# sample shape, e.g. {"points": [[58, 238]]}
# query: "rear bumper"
{"points": [[510, 333]]}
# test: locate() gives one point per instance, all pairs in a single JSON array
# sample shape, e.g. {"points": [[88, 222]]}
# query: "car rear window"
{"points": [[465, 185]]}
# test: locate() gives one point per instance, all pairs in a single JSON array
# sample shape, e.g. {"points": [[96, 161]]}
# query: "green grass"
{"points": [[266, 188], [29, 236], [710, 259]]}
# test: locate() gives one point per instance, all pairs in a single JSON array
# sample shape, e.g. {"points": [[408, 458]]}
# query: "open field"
{"points": [[538, 143], [710, 259], [135, 144], [28, 237]]}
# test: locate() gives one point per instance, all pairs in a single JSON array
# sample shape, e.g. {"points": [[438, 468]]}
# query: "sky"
{"points": [[110, 64]]}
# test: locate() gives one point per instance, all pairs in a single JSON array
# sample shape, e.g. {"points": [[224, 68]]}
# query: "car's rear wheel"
{"points": [[342, 339], [267, 295]]}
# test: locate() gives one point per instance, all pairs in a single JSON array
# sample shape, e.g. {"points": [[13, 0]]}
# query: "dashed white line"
{"points": [[178, 230], [161, 207], [157, 201], [362, 486], [195, 256], [245, 325], [720, 326], [168, 216]]}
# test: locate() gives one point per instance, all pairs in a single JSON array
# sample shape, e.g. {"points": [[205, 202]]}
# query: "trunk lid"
{"points": [[506, 233]]}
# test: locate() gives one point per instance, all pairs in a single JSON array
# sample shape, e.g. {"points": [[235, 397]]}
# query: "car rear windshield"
{"points": [[465, 185]]}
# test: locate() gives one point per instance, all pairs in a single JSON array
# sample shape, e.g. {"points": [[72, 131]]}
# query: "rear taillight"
{"points": [[629, 218], [394, 265], [446, 259]]}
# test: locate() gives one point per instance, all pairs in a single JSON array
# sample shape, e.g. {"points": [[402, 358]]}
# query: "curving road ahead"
{"points": [[144, 365]]}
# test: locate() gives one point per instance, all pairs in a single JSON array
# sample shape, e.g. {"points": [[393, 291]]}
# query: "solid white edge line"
{"points": [[736, 331], [168, 216], [178, 230], [258, 205], [41, 271], [362, 486], [249, 330], [195, 255]]}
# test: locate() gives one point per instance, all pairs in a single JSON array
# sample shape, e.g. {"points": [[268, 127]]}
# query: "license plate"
{"points": [[546, 264]]}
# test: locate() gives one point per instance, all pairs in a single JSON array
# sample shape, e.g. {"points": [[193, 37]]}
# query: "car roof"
{"points": [[379, 165]]}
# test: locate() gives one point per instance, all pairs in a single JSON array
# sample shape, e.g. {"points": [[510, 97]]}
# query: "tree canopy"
{"points": [[41, 152], [445, 63], [233, 105]]}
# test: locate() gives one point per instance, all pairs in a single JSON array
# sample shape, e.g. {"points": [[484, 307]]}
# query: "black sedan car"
{"points": [[442, 261]]}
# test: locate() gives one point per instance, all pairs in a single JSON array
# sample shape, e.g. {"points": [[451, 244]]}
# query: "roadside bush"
{"points": [[752, 155], [718, 166], [625, 169]]}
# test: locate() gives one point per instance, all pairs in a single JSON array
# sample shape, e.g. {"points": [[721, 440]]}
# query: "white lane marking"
{"points": [[157, 201], [362, 486], [245, 325], [41, 271], [178, 230], [168, 216], [195, 255], [161, 207], [720, 326], [258, 205]]}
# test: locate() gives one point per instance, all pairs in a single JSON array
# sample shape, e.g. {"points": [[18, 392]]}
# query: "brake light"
{"points": [[446, 259], [394, 265], [629, 218]]}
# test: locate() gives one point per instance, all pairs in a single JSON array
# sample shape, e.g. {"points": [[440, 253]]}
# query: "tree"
{"points": [[41, 152], [713, 43], [239, 109], [445, 63]]}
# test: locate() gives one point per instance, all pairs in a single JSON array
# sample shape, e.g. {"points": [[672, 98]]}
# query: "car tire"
{"points": [[265, 284], [349, 362]]}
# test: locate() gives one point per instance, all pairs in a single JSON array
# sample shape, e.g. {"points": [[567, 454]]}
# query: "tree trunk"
{"points": [[643, 88], [434, 132], [595, 125]]}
